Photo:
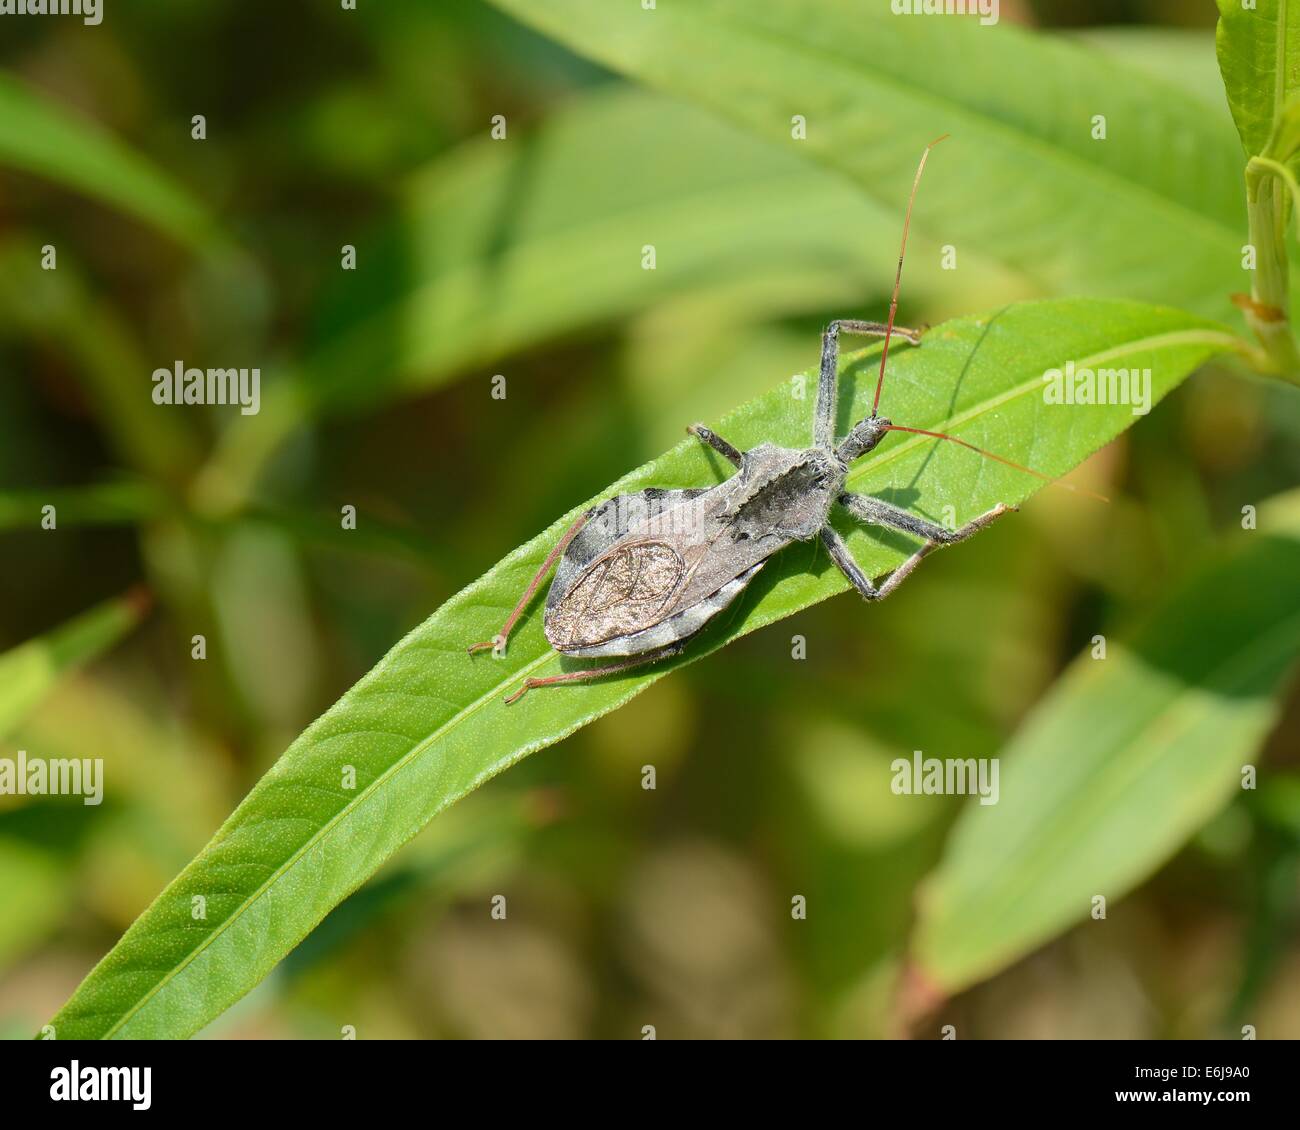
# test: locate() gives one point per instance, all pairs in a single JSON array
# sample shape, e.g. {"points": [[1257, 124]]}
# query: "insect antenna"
{"points": [[898, 276], [1000, 459]]}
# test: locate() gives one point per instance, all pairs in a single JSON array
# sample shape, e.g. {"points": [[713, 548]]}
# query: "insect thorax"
{"points": [[785, 491]]}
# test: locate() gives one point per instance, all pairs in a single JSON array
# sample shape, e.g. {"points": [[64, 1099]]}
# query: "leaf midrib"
{"points": [[1152, 341]]}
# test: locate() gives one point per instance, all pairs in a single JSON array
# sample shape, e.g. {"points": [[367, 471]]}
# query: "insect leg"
{"points": [[899, 519], [824, 419], [879, 513], [596, 672], [499, 640], [877, 329], [715, 441], [857, 578]]}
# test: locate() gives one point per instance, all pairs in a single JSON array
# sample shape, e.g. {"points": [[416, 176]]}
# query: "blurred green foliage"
{"points": [[627, 907]]}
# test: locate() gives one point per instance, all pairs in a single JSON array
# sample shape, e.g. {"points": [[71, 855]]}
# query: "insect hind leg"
{"points": [[498, 642], [596, 672]]}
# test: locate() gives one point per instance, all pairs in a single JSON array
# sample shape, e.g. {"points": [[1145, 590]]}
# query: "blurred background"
{"points": [[626, 907]]}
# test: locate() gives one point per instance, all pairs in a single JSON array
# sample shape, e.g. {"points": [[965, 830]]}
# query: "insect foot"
{"points": [[497, 645], [976, 524], [523, 690]]}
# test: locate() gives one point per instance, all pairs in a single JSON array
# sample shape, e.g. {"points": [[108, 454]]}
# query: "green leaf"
{"points": [[38, 137], [1177, 55], [500, 245], [65, 311], [1152, 212], [1121, 763], [101, 504], [28, 672], [1259, 52], [428, 725], [1259, 58]]}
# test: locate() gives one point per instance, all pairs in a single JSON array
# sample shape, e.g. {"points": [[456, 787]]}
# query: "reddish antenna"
{"points": [[1000, 459], [889, 329], [898, 277]]}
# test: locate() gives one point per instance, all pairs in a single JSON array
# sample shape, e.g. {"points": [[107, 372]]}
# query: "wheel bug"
{"points": [[640, 574]]}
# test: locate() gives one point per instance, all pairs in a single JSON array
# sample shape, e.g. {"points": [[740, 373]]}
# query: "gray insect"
{"points": [[640, 574]]}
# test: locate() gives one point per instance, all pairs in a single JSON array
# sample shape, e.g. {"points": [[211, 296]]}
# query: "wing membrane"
{"points": [[622, 591]]}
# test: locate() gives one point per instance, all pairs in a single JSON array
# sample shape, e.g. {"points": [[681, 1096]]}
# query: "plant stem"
{"points": [[1268, 316]]}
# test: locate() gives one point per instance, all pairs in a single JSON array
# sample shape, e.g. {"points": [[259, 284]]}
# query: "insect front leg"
{"points": [[824, 417], [498, 642], [715, 441], [596, 672]]}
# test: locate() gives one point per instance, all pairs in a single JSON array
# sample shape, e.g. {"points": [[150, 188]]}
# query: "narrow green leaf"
{"points": [[40, 138], [28, 672], [66, 312], [428, 725], [1119, 765], [1259, 58], [1151, 212], [1177, 55], [501, 244], [99, 504]]}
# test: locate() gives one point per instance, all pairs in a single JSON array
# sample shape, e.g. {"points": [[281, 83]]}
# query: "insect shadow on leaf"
{"points": [[637, 576]]}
